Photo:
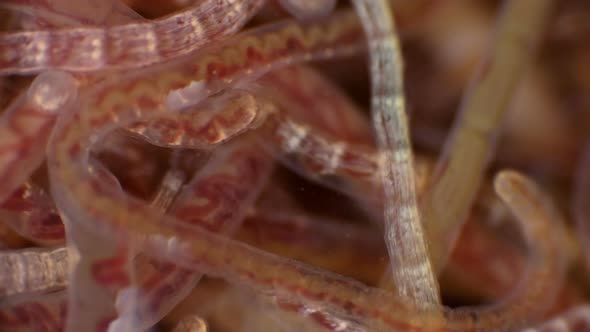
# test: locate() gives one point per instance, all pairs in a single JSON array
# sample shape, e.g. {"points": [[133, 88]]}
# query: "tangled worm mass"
{"points": [[294, 165]]}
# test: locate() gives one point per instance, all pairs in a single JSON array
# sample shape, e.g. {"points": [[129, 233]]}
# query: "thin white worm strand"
{"points": [[412, 271]]}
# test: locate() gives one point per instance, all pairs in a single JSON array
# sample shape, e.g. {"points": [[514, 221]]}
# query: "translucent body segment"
{"points": [[352, 169], [309, 97], [31, 213], [42, 313], [129, 308], [226, 209], [101, 274], [26, 124], [102, 172], [241, 59], [408, 253], [217, 198], [104, 284], [316, 155], [33, 271], [81, 49], [168, 189], [136, 164], [305, 9], [204, 126], [320, 149], [461, 167], [547, 263], [505, 261], [319, 134], [101, 270], [317, 241]]}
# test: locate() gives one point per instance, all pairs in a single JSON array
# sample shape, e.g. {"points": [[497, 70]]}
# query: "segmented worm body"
{"points": [[132, 45], [30, 211], [29, 271]]}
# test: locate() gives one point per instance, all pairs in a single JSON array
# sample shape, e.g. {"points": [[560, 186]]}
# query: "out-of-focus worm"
{"points": [[460, 168]]}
